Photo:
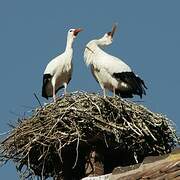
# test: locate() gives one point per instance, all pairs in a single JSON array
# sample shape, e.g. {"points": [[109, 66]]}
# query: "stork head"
{"points": [[111, 33], [108, 37], [74, 32], [105, 40]]}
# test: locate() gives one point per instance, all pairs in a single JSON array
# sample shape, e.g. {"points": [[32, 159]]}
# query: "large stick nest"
{"points": [[60, 134]]}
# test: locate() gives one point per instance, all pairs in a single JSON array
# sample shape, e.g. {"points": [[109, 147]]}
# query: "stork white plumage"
{"points": [[59, 70], [111, 72]]}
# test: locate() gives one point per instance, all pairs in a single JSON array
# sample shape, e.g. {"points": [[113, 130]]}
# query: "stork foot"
{"points": [[104, 93]]}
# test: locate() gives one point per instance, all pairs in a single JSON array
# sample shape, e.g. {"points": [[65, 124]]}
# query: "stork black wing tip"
{"points": [[44, 95], [46, 79]]}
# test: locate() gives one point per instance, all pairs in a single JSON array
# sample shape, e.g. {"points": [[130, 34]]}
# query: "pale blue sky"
{"points": [[33, 32]]}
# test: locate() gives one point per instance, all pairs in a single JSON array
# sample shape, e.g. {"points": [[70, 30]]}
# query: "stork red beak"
{"points": [[111, 33], [76, 31]]}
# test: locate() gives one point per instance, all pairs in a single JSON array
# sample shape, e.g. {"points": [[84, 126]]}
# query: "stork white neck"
{"points": [[95, 46], [69, 42], [100, 43], [104, 41], [91, 50]]}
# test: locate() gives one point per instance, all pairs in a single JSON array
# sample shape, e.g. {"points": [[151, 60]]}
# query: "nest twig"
{"points": [[77, 123]]}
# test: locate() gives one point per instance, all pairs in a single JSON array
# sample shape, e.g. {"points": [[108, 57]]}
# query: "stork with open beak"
{"points": [[58, 72], [111, 72]]}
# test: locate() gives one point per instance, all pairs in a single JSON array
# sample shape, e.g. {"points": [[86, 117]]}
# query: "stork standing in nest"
{"points": [[111, 72], [59, 70]]}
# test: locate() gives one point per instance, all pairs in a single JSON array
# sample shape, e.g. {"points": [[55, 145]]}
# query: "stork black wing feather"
{"points": [[46, 79], [137, 84]]}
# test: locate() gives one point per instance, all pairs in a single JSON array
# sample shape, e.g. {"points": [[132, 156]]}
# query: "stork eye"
{"points": [[70, 31]]}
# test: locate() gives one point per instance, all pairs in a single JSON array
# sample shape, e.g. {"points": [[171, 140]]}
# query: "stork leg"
{"points": [[54, 94], [104, 92], [65, 89], [114, 94], [54, 89]]}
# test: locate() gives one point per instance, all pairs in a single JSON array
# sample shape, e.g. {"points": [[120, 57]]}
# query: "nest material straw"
{"points": [[43, 142]]}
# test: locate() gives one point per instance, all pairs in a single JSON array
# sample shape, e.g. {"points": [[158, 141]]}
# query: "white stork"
{"points": [[59, 70], [111, 72]]}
